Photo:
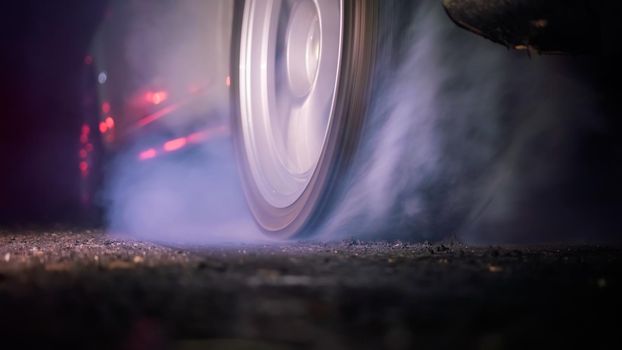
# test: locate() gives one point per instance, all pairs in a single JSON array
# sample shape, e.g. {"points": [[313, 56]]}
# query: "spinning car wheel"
{"points": [[302, 72]]}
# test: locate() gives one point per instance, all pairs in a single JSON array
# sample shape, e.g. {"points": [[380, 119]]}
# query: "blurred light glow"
{"points": [[88, 60], [198, 136], [84, 167], [228, 81], [83, 153], [204, 135], [106, 107], [103, 127], [147, 154], [102, 77], [109, 122], [174, 145], [157, 115], [156, 97], [84, 133]]}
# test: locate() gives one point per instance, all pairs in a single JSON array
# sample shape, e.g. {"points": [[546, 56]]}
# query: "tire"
{"points": [[291, 179]]}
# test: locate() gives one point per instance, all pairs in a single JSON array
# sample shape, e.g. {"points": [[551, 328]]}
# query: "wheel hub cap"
{"points": [[289, 68]]}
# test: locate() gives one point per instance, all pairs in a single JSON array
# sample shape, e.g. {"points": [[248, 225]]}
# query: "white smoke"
{"points": [[449, 149], [464, 139], [194, 195], [189, 198]]}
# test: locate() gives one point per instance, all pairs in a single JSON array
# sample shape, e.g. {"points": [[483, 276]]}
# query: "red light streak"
{"points": [[83, 153], [84, 138], [103, 127], [157, 115], [228, 81], [204, 135], [147, 154], [181, 142], [85, 129], [174, 145]]}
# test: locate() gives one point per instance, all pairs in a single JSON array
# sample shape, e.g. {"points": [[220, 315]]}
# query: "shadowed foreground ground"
{"points": [[83, 289]]}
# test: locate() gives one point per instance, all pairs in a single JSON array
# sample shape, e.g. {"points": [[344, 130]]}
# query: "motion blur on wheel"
{"points": [[302, 74], [293, 76]]}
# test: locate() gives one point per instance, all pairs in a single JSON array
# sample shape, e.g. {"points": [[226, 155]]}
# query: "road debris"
{"points": [[92, 290]]}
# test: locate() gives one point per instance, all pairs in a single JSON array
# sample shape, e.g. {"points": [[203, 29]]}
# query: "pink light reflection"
{"points": [[174, 145], [148, 154]]}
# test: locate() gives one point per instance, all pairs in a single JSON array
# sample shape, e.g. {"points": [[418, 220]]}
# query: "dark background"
{"points": [[43, 48]]}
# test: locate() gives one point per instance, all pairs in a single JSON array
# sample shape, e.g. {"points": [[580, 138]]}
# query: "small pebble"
{"points": [[601, 283], [494, 268]]}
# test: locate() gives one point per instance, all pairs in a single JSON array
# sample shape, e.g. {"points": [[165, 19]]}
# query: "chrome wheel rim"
{"points": [[290, 57]]}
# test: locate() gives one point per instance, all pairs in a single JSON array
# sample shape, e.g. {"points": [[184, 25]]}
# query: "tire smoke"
{"points": [[192, 198], [473, 141], [193, 195], [465, 139]]}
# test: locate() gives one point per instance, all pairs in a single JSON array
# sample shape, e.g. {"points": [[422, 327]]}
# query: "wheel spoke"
{"points": [[289, 71]]}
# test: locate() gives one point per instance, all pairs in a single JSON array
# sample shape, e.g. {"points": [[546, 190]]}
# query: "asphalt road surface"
{"points": [[84, 289]]}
